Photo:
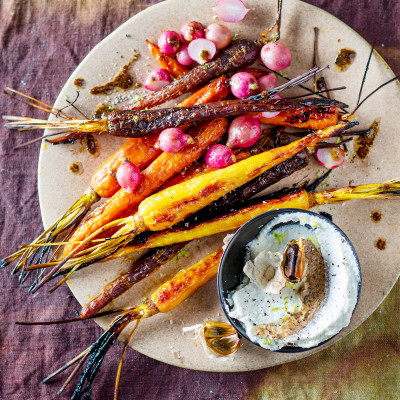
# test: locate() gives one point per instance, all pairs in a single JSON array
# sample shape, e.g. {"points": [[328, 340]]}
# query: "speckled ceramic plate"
{"points": [[161, 336]]}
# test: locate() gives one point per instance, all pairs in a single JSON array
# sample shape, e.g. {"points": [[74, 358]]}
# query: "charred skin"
{"points": [[186, 282], [309, 118], [141, 269], [128, 123], [158, 257], [159, 171], [241, 54], [234, 220]]}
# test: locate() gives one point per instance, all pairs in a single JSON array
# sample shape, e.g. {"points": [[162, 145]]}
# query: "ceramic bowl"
{"points": [[230, 273]]}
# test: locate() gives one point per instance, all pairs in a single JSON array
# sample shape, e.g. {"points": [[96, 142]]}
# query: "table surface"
{"points": [[42, 42]]}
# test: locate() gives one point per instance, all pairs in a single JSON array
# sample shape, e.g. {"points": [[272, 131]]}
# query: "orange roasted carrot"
{"points": [[158, 172], [140, 151], [213, 92], [167, 62], [307, 118]]}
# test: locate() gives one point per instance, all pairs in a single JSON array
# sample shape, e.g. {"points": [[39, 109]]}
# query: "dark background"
{"points": [[42, 42]]}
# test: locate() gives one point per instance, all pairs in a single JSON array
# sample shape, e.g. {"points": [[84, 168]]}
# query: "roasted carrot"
{"points": [[308, 118], [298, 198], [134, 123], [215, 91], [140, 151], [131, 123], [170, 206], [167, 62], [139, 271], [159, 171], [167, 297], [159, 256]]}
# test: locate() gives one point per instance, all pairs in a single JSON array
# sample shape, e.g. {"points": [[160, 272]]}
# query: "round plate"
{"points": [[161, 336]]}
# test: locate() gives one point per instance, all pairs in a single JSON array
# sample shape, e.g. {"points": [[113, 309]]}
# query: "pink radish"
{"points": [[230, 10], [244, 131], [266, 82], [275, 56], [201, 50], [172, 140], [169, 42], [219, 34], [128, 176], [243, 84], [183, 56], [220, 156], [157, 79], [330, 157], [191, 31]]}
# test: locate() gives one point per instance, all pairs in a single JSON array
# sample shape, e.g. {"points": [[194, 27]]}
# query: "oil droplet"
{"points": [[380, 244], [363, 144], [376, 216], [91, 145], [344, 59], [79, 82], [122, 80], [76, 168]]}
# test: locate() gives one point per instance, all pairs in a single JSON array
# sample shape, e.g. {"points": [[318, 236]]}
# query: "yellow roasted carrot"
{"points": [[158, 172], [164, 209], [299, 199], [139, 151]]}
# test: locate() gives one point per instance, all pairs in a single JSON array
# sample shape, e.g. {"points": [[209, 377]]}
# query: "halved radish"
{"points": [[330, 157]]}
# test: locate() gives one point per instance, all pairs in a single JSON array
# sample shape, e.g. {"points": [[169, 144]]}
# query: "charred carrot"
{"points": [[167, 62], [216, 90], [159, 171], [139, 271], [134, 123], [299, 198], [311, 118], [167, 297], [168, 207], [140, 152], [160, 256]]}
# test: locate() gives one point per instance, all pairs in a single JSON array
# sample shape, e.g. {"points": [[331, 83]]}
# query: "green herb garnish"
{"points": [[181, 254], [278, 236]]}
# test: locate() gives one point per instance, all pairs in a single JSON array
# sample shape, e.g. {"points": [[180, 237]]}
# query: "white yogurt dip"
{"points": [[256, 307]]}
